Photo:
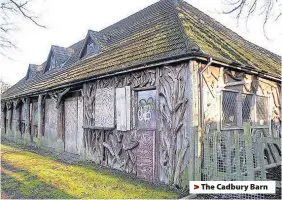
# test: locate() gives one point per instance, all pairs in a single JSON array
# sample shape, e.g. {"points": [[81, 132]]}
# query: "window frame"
{"points": [[135, 108], [240, 123]]}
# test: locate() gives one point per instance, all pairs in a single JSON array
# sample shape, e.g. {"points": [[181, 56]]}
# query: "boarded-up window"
{"points": [[104, 107], [123, 108], [146, 111]]}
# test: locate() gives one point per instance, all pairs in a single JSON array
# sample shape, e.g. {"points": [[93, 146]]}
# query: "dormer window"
{"points": [[57, 57], [90, 46]]}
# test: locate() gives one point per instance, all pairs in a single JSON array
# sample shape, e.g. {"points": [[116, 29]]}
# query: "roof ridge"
{"points": [[193, 46]]}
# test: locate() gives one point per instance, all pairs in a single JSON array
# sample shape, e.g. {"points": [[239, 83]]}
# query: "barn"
{"points": [[167, 94]]}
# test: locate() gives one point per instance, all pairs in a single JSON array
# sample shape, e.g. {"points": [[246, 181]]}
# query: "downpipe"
{"points": [[201, 125], [201, 91]]}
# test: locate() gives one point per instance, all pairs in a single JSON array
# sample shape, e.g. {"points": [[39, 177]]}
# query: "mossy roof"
{"points": [[216, 40], [165, 29]]}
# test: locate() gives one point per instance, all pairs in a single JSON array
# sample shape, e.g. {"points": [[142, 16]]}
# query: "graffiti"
{"points": [[146, 109]]}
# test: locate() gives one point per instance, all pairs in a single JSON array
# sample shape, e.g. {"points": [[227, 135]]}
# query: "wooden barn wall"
{"points": [[213, 106], [174, 91], [155, 146], [73, 124], [107, 145], [50, 126], [217, 79]]}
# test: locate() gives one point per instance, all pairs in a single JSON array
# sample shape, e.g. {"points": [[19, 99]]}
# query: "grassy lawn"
{"points": [[29, 175]]}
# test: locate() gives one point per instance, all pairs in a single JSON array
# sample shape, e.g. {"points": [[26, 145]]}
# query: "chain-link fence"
{"points": [[239, 156]]}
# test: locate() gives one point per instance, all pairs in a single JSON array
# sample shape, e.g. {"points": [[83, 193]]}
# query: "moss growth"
{"points": [[218, 41], [76, 181]]}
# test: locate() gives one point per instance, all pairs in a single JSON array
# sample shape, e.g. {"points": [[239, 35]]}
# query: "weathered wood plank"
{"points": [[123, 106], [261, 159], [237, 155], [249, 152], [157, 142], [40, 118], [60, 121]]}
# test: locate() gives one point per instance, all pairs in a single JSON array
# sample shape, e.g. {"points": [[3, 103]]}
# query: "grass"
{"points": [[29, 175]]}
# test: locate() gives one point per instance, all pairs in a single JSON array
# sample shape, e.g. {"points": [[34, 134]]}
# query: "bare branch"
{"points": [[21, 8], [10, 10], [244, 9]]}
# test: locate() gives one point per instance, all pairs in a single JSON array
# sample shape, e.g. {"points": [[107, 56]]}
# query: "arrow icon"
{"points": [[196, 187]]}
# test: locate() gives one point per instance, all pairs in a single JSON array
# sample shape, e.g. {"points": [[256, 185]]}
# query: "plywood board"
{"points": [[79, 124], [120, 109], [104, 107], [123, 108], [71, 125], [128, 106], [50, 128]]}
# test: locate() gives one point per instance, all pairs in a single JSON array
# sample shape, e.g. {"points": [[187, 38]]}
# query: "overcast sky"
{"points": [[67, 22]]}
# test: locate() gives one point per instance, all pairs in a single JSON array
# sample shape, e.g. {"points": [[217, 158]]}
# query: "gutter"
{"points": [[154, 63]]}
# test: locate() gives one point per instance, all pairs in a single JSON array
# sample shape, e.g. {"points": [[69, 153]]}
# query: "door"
{"points": [[146, 128], [73, 124], [50, 127]]}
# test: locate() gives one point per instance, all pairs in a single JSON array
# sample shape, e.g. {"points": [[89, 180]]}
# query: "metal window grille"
{"points": [[239, 108], [261, 110], [246, 108], [229, 109]]}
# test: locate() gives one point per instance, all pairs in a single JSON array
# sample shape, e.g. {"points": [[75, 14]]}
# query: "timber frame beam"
{"points": [[161, 62]]}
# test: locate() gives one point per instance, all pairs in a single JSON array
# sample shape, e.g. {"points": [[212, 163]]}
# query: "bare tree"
{"points": [[3, 86], [271, 10], [10, 10]]}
